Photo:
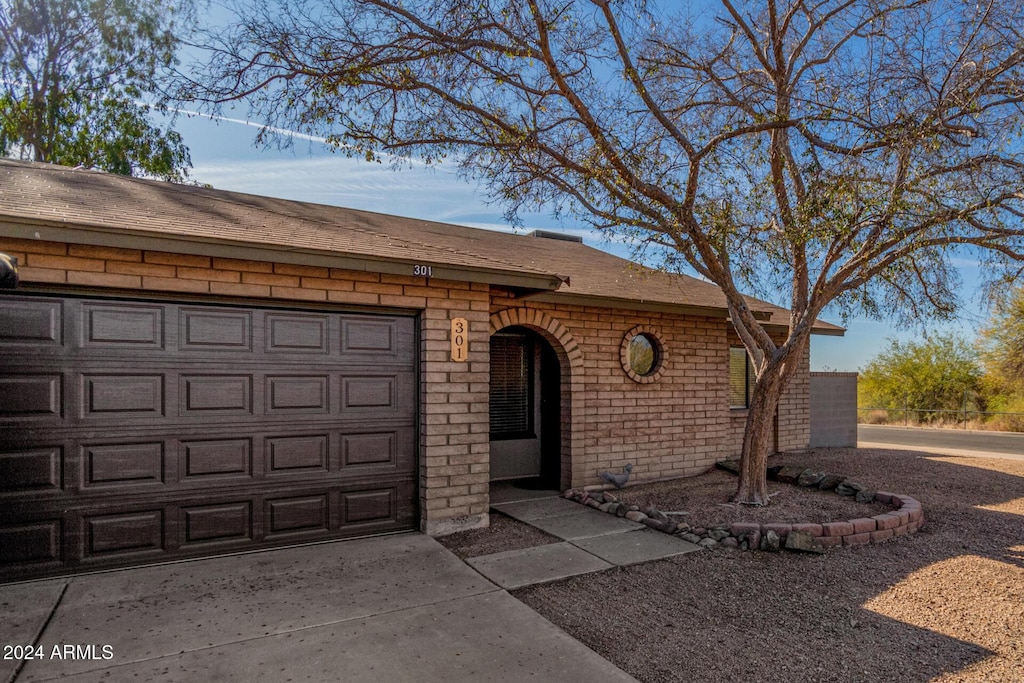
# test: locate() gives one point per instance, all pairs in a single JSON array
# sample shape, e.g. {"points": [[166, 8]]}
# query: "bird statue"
{"points": [[618, 480]]}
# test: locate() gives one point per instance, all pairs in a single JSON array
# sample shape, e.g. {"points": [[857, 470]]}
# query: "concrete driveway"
{"points": [[393, 608]]}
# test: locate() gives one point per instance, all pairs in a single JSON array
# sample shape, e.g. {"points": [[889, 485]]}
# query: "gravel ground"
{"points": [[946, 604], [702, 501], [504, 533]]}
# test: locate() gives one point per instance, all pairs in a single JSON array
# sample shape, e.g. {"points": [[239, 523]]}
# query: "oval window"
{"points": [[643, 354]]}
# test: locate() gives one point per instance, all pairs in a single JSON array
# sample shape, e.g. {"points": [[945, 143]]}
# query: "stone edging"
{"points": [[906, 518]]}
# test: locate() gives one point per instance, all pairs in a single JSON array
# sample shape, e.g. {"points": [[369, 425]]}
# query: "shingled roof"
{"points": [[45, 201]]}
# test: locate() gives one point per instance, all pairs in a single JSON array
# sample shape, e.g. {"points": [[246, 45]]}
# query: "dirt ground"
{"points": [[945, 604]]}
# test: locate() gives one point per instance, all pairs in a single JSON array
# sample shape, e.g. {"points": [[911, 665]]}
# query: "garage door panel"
{"points": [[122, 396], [377, 394], [33, 544], [205, 329], [135, 431], [296, 515], [121, 326], [201, 395], [123, 465], [31, 325], [297, 394], [377, 337], [297, 455], [32, 470], [203, 460], [31, 396], [152, 395], [129, 531], [120, 533], [145, 459], [306, 334], [221, 523]]}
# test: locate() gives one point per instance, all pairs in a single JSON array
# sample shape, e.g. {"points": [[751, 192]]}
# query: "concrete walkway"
{"points": [[591, 541], [393, 608]]}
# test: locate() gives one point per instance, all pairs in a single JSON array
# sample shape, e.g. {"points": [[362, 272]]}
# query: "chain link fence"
{"points": [[964, 418]]}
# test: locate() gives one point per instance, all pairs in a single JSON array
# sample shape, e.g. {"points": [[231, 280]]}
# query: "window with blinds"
{"points": [[741, 378], [511, 382]]}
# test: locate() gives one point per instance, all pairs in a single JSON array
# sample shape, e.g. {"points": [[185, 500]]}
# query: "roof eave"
{"points": [[631, 304], [125, 238], [665, 307]]}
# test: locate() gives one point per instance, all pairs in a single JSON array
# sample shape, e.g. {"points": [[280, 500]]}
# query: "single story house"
{"points": [[189, 371]]}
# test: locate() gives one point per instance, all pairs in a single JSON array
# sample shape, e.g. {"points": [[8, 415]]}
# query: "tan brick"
{"points": [[19, 256], [403, 301], [326, 283], [377, 288], [243, 265], [422, 291], [354, 275], [187, 260], [108, 253], [104, 279], [298, 293], [358, 298], [434, 504], [65, 263], [9, 244], [301, 271], [237, 289], [128, 268], [171, 284], [28, 274], [402, 279], [270, 279], [210, 274]]}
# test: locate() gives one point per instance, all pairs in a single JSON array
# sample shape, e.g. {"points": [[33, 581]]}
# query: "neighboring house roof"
{"points": [[44, 201]]}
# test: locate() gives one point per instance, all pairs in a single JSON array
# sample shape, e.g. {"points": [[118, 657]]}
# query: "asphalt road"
{"points": [[944, 439]]}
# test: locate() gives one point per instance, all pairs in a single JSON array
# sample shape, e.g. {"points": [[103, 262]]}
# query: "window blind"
{"points": [[510, 386], [741, 378]]}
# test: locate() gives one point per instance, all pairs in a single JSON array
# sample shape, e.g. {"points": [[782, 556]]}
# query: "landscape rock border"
{"points": [[906, 517]]}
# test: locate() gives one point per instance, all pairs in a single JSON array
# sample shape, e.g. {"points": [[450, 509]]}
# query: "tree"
{"points": [[837, 151], [930, 374], [72, 73], [1002, 346]]}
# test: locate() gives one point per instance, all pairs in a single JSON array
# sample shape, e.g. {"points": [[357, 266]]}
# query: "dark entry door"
{"points": [[136, 431], [515, 412], [524, 407]]}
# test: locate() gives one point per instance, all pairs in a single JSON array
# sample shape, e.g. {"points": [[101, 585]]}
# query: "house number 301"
{"points": [[422, 271], [460, 340]]}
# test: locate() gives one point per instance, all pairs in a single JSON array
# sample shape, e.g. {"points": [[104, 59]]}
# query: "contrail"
{"points": [[293, 133]]}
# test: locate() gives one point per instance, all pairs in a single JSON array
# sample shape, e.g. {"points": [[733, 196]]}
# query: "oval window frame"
{"points": [[660, 353]]}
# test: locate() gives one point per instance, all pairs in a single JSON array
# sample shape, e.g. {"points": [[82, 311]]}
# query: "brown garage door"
{"points": [[138, 431]]}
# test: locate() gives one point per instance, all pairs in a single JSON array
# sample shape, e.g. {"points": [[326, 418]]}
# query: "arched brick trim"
{"points": [[570, 360]]}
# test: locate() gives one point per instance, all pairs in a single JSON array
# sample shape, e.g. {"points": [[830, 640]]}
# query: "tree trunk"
{"points": [[753, 484]]}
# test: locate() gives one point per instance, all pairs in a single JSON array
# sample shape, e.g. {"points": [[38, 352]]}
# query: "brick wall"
{"points": [[679, 425], [454, 463], [794, 412]]}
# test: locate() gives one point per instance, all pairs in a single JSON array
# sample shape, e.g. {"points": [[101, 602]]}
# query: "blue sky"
{"points": [[224, 155]]}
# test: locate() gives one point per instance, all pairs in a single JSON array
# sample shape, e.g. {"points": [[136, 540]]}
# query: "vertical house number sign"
{"points": [[460, 340]]}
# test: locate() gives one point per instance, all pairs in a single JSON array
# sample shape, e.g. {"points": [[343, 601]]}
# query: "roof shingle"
{"points": [[56, 195]]}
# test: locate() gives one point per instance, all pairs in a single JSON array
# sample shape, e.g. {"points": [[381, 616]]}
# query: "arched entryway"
{"points": [[561, 365], [525, 409]]}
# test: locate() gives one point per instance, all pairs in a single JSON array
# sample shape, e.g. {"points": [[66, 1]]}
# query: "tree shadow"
{"points": [[945, 603]]}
